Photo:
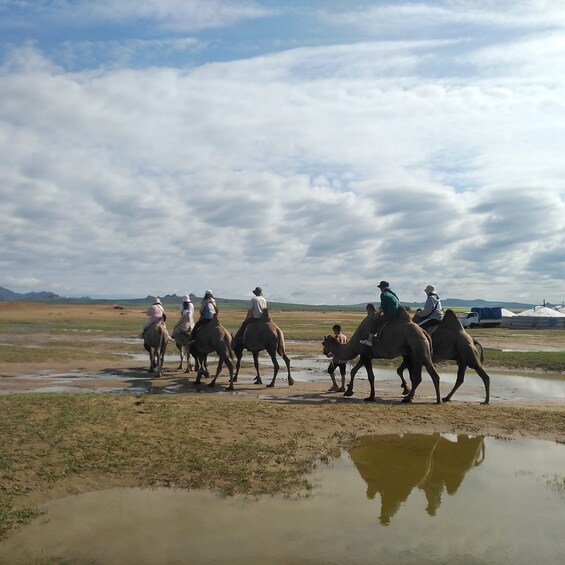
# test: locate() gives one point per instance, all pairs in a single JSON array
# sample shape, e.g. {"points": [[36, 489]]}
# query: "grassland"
{"points": [[56, 444]]}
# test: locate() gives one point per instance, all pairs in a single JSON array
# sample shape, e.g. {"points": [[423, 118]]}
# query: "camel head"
{"points": [[371, 309], [327, 345]]}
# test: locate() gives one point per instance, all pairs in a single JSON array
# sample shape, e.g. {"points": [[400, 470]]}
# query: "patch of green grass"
{"points": [[549, 361]]}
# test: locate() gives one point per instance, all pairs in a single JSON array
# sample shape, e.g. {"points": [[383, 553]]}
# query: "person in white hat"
{"points": [[156, 314], [257, 305], [186, 322], [208, 309], [432, 313]]}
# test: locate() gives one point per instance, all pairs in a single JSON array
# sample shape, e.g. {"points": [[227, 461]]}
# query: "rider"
{"points": [[257, 305], [156, 314], [390, 305], [208, 309], [432, 313], [186, 322]]}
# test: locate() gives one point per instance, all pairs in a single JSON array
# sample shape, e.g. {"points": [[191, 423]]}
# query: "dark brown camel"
{"points": [[155, 339], [452, 343], [213, 338], [258, 336], [398, 338]]}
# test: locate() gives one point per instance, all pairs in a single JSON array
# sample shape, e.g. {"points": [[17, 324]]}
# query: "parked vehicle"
{"points": [[482, 318]]}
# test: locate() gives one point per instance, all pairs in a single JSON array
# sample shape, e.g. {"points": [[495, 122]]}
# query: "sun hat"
{"points": [[208, 292], [258, 290], [383, 284], [430, 289], [186, 298], [157, 301]]}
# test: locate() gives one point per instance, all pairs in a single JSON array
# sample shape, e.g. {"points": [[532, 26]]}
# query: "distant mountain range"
{"points": [[52, 298]]}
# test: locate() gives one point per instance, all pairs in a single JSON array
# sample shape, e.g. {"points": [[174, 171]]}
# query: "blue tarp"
{"points": [[493, 313]]}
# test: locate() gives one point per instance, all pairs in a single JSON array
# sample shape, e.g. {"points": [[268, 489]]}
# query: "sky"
{"points": [[313, 148]]}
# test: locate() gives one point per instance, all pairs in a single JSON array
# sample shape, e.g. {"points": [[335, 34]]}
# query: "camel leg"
{"points": [[461, 376], [257, 380], [415, 379], [400, 373], [435, 379], [229, 365], [238, 355], [276, 367], [371, 375], [349, 391], [179, 347], [218, 371], [287, 363]]}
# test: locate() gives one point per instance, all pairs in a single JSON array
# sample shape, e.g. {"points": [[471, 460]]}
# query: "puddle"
{"points": [[402, 499], [504, 387]]}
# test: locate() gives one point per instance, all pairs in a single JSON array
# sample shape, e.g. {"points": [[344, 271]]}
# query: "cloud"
{"points": [[313, 172]]}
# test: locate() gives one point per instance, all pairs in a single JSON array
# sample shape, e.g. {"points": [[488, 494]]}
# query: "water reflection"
{"points": [[393, 465], [517, 489]]}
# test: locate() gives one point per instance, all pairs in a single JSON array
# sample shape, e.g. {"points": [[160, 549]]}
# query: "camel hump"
{"points": [[451, 321], [403, 315]]}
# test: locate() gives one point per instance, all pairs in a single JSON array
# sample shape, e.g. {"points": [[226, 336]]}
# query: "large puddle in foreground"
{"points": [[390, 499]]}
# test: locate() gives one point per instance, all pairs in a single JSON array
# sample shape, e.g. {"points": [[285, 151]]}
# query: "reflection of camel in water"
{"points": [[452, 461], [399, 337], [155, 339], [260, 335], [393, 465], [452, 343]]}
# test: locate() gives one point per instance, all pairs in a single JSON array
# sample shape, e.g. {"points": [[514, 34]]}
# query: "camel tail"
{"points": [[280, 347], [229, 348], [480, 350]]}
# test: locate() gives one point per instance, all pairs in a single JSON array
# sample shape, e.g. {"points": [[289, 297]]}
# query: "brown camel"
{"points": [[213, 338], [398, 338], [186, 350], [258, 336], [452, 343], [155, 339]]}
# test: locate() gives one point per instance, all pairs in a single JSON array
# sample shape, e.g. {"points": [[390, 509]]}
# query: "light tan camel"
{"points": [[213, 338], [451, 342], [182, 340], [398, 338], [258, 336], [155, 339]]}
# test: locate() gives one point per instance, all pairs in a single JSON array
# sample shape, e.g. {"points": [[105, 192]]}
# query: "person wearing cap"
{"points": [[390, 305], [208, 309], [186, 322], [432, 313], [257, 305], [156, 314]]}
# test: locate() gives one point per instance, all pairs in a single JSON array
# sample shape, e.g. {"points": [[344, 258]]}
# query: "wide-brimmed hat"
{"points": [[430, 289], [157, 301], [258, 290], [383, 284], [186, 298], [208, 292]]}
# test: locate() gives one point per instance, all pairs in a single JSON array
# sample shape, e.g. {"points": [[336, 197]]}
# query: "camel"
{"points": [[182, 340], [451, 342], [260, 335], [398, 338], [155, 339], [213, 338]]}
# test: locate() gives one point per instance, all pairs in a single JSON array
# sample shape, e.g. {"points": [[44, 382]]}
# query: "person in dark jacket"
{"points": [[390, 304]]}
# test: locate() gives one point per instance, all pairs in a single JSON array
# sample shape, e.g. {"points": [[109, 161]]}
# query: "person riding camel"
{"points": [[390, 305], [432, 313], [186, 322], [257, 305], [156, 314], [208, 309]]}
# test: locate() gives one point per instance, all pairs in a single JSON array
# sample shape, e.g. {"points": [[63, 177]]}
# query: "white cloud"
{"points": [[314, 172]]}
